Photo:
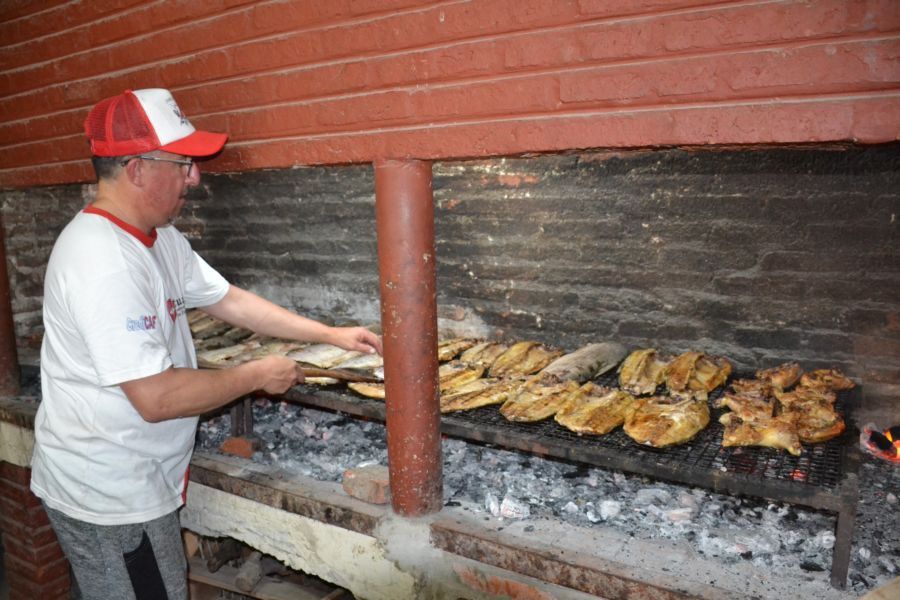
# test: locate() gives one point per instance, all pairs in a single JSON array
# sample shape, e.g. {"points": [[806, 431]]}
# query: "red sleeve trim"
{"points": [[147, 240]]}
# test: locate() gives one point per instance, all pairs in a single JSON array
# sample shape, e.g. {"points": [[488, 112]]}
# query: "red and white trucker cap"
{"points": [[145, 120]]}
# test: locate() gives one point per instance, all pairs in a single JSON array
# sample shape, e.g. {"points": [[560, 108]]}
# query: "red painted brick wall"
{"points": [[347, 81]]}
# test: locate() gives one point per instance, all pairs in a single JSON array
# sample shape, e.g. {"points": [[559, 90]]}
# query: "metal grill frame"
{"points": [[824, 477]]}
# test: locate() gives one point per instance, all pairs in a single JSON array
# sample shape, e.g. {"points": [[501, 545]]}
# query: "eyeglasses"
{"points": [[184, 162]]}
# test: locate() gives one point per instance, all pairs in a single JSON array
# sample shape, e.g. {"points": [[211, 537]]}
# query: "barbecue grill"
{"points": [[823, 477]]}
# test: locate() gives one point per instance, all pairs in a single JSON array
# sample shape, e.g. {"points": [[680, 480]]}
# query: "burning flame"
{"points": [[883, 444]]}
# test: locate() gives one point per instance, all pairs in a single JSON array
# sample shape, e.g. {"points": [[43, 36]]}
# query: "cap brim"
{"points": [[199, 143]]}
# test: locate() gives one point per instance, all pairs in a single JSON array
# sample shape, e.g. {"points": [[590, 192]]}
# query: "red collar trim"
{"points": [[142, 237]]}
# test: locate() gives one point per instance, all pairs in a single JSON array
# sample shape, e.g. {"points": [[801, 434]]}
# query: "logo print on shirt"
{"points": [[143, 323], [170, 306]]}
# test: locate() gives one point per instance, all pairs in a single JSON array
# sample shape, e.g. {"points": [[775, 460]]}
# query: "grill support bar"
{"points": [[404, 219]]}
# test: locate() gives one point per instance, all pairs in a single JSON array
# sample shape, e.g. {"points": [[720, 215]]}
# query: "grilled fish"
{"points": [[363, 362], [535, 401], [642, 372], [831, 379], [279, 347], [596, 410], [478, 393], [585, 363], [776, 432], [214, 359], [483, 354], [456, 373], [323, 356], [369, 390], [658, 422], [523, 358], [448, 349], [781, 377]]}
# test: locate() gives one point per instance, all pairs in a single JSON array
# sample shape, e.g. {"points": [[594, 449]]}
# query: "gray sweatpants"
{"points": [[113, 562]]}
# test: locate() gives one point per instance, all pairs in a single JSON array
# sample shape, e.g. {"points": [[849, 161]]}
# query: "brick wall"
{"points": [[32, 558], [348, 81], [761, 255]]}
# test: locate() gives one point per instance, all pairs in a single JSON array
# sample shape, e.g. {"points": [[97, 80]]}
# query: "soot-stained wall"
{"points": [[761, 255]]}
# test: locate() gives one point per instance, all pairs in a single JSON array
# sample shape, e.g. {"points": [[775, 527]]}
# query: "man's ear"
{"points": [[134, 170]]}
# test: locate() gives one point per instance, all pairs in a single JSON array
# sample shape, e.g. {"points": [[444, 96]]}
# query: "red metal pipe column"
{"points": [[404, 217], [9, 359]]}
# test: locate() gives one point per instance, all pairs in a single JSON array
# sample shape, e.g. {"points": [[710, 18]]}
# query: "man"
{"points": [[121, 393]]}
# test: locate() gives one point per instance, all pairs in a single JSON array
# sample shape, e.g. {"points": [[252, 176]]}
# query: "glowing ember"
{"points": [[798, 475], [883, 444]]}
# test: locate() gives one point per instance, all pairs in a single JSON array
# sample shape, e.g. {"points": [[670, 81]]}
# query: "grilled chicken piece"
{"points": [[816, 419], [777, 432], [585, 363], [456, 373], [535, 401], [801, 394], [523, 358], [481, 392], [642, 372], [448, 349], [747, 406], [694, 375], [596, 410], [831, 379], [753, 386], [781, 377], [369, 390], [483, 354], [658, 422]]}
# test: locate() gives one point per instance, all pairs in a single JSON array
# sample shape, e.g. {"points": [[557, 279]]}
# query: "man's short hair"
{"points": [[106, 167]]}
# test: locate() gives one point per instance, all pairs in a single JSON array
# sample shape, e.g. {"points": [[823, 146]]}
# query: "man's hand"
{"points": [[278, 374], [356, 338]]}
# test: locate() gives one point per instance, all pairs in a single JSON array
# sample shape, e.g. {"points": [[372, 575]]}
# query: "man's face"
{"points": [[169, 183]]}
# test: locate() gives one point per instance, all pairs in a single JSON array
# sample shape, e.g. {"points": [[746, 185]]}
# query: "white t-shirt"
{"points": [[114, 311]]}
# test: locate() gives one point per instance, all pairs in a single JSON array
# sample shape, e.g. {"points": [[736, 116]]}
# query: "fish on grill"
{"points": [[775, 432], [523, 358], [456, 373], [478, 393], [535, 401], [278, 347], [585, 363], [369, 390], [657, 421], [695, 374], [363, 362], [216, 359], [642, 372], [323, 356], [449, 349], [597, 410], [483, 353], [831, 379], [781, 377]]}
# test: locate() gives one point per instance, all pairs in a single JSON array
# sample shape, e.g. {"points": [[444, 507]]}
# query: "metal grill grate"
{"points": [[819, 465]]}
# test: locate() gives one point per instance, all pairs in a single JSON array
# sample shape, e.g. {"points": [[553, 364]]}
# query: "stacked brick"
{"points": [[34, 563]]}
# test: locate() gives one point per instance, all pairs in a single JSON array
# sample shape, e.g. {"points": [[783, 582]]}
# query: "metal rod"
{"points": [[9, 358], [404, 218]]}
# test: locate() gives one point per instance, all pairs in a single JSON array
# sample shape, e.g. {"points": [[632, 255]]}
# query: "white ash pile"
{"points": [[791, 540]]}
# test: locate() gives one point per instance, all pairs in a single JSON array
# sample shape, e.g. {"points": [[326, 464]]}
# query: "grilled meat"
{"points": [[658, 422], [694, 374], [831, 379], [449, 349], [596, 410], [801, 394], [535, 401], [369, 390], [753, 386], [747, 406], [776, 432], [585, 363], [478, 393], [781, 377], [642, 372], [523, 358]]}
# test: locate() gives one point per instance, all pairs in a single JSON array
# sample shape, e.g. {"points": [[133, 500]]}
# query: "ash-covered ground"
{"points": [[511, 485]]}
